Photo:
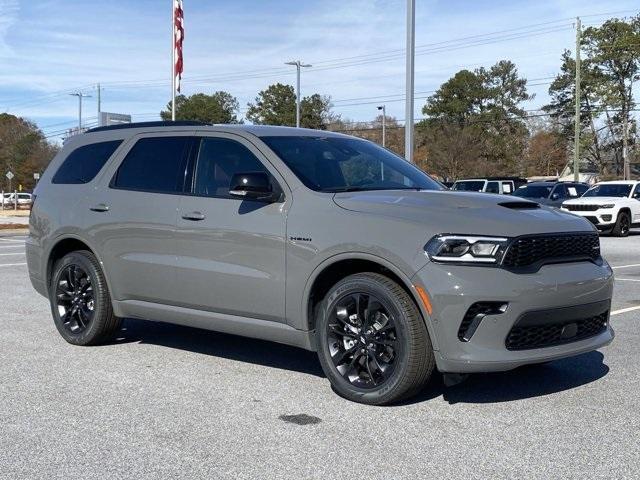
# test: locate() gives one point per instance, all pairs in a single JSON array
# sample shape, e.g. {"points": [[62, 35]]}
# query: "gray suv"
{"points": [[313, 239]]}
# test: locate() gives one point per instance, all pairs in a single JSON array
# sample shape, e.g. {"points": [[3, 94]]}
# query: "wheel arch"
{"points": [[333, 269]]}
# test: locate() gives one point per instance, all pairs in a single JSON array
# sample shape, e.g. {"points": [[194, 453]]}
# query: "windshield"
{"points": [[469, 185], [533, 191], [334, 164], [609, 190]]}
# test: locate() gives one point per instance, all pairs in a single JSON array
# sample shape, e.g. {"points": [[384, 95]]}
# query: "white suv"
{"points": [[610, 206]]}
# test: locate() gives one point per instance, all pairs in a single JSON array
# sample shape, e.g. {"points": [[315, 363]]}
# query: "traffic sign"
{"points": [[36, 176], [10, 175]]}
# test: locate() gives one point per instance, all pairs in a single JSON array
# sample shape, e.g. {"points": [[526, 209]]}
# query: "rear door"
{"points": [[132, 217], [635, 202], [231, 256]]}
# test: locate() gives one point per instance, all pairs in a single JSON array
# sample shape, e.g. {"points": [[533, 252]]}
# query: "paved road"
{"points": [[165, 401]]}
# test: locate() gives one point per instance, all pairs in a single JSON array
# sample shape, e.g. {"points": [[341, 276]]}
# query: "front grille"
{"points": [[581, 208], [537, 249], [540, 336]]}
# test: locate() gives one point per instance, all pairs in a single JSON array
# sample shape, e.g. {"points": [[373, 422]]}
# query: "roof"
{"points": [[619, 182], [257, 130]]}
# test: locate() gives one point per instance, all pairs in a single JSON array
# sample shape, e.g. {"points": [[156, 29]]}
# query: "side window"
{"points": [[493, 187], [84, 163], [218, 160], [154, 164], [581, 189], [636, 192]]}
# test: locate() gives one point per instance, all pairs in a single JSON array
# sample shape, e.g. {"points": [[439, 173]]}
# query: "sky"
{"points": [[51, 48]]}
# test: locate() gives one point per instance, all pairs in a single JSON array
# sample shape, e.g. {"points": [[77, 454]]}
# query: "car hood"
{"points": [[464, 212], [594, 200]]}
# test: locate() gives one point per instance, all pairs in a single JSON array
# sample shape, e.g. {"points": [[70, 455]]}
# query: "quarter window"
{"points": [[84, 163], [154, 164], [218, 160]]}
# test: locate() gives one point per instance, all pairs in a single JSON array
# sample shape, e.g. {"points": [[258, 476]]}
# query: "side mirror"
{"points": [[251, 185], [555, 196]]}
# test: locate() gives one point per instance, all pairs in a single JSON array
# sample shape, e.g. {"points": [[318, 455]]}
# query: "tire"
{"points": [[80, 301], [622, 226], [394, 354]]}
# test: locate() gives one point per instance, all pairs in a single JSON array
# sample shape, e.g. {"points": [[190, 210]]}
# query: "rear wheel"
{"points": [[373, 343], [622, 226], [80, 300]]}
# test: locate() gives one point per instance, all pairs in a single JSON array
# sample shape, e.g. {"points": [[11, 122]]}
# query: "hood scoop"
{"points": [[520, 205]]}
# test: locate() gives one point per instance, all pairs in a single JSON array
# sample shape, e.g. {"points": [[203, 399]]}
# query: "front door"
{"points": [[231, 252]]}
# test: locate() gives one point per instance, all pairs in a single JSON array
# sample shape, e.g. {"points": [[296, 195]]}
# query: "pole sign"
{"points": [[10, 175], [107, 119], [36, 176]]}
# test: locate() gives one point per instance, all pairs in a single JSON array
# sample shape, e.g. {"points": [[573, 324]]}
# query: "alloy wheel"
{"points": [[75, 299], [362, 340]]}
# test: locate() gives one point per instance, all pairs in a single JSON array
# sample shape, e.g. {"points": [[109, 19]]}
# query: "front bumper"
{"points": [[603, 219], [453, 289]]}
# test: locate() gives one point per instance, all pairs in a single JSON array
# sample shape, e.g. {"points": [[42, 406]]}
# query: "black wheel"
{"points": [[80, 300], [622, 226], [373, 344]]}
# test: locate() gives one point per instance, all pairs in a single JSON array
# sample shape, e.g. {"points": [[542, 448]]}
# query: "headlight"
{"points": [[466, 249], [608, 205]]}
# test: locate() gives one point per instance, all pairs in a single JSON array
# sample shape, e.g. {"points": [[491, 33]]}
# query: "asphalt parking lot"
{"points": [[165, 401]]}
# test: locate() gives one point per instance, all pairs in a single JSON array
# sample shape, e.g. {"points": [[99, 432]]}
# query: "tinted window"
{"points": [[533, 191], [581, 189], [560, 190], [154, 165], [218, 160], [493, 187], [334, 164], [84, 163], [469, 185]]}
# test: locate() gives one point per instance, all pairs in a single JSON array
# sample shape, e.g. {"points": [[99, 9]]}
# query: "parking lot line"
{"points": [[9, 254], [12, 264], [626, 266], [625, 310]]}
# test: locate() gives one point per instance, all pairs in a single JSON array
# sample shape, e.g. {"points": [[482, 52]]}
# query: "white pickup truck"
{"points": [[610, 206]]}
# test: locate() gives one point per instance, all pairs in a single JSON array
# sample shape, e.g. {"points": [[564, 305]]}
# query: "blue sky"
{"points": [[49, 48]]}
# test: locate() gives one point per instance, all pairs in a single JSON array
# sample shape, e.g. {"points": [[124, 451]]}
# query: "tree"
{"points": [[610, 66], [220, 107], [276, 105], [23, 151], [479, 113], [546, 152]]}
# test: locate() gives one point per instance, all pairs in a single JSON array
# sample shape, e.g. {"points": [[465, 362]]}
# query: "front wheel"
{"points": [[373, 343], [623, 225], [80, 300]]}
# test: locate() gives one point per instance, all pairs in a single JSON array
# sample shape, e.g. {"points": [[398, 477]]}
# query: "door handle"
{"points": [[194, 216], [101, 207]]}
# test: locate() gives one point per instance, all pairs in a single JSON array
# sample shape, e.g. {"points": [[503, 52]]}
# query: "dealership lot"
{"points": [[167, 401]]}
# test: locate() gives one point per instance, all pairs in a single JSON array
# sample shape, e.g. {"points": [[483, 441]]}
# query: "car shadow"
{"points": [[524, 382], [221, 345]]}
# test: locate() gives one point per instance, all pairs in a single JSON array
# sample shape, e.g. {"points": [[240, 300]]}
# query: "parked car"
{"points": [[314, 239], [499, 185], [611, 206], [551, 193], [23, 199]]}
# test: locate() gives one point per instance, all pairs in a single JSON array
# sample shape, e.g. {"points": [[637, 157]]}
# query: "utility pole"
{"points": [[99, 105], [384, 124], [411, 46], [576, 136], [298, 64], [625, 138], [80, 96]]}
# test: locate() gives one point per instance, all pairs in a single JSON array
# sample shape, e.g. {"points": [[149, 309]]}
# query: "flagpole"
{"points": [[173, 61]]}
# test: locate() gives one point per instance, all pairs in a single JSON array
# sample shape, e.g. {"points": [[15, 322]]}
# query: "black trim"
{"points": [[178, 123]]}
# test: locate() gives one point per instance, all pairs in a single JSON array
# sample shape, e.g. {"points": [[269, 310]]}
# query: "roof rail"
{"points": [[179, 123]]}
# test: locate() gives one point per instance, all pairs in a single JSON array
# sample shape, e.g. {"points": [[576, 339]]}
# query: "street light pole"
{"points": [[80, 96], [384, 124], [298, 64], [411, 46]]}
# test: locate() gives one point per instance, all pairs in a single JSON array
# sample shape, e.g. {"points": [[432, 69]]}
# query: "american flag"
{"points": [[178, 37]]}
